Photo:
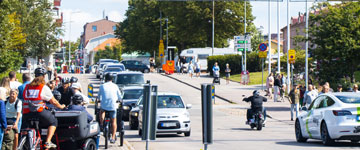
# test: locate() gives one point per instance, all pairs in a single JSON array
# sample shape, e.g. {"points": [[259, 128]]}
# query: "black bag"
{"points": [[216, 80]]}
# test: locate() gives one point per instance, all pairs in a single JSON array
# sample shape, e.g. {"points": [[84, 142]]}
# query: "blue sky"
{"points": [[83, 11]]}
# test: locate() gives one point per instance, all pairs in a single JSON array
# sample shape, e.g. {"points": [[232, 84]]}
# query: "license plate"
{"points": [[168, 124]]}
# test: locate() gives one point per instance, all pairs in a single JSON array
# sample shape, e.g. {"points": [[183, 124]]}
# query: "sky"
{"points": [[83, 11]]}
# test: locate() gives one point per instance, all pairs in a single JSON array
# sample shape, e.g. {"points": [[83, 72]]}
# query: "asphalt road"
{"points": [[229, 129]]}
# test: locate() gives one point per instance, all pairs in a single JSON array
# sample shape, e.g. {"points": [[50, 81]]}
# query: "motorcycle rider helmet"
{"points": [[77, 99], [39, 72], [65, 80], [256, 93], [57, 95], [73, 80]]}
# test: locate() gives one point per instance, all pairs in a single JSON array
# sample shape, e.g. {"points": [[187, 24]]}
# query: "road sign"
{"points": [[263, 47], [262, 54], [240, 43], [161, 49], [292, 56]]}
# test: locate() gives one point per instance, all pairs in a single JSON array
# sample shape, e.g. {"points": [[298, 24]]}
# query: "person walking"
{"points": [[227, 73], [310, 96], [197, 68], [294, 100], [277, 87], [356, 88], [50, 70], [109, 94], [14, 114], [216, 73], [269, 85], [13, 83], [3, 123], [191, 69]]}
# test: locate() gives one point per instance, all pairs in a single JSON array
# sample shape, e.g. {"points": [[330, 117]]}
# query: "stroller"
{"points": [[216, 77]]}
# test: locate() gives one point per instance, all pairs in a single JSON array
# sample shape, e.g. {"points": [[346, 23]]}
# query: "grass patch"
{"points": [[6, 74], [255, 77]]}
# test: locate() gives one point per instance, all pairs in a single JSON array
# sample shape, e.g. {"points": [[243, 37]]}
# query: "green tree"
{"points": [[113, 52], [335, 32], [190, 24], [74, 46]]}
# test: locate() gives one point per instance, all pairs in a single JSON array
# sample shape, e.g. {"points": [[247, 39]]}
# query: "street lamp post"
{"points": [[167, 37], [70, 38]]}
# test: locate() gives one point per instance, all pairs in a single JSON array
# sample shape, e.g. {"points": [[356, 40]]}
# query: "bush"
{"points": [[234, 61]]}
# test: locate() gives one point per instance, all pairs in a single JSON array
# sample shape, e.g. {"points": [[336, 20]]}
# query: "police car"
{"points": [[330, 117]]}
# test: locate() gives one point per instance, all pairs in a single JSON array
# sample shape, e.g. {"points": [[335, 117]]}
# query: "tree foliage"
{"points": [[335, 31], [189, 24], [113, 52]]}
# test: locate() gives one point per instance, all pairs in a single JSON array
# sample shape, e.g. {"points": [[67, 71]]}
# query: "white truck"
{"points": [[201, 54]]}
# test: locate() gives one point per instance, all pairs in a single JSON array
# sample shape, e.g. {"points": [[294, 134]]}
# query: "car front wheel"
{"points": [[298, 134], [326, 139]]}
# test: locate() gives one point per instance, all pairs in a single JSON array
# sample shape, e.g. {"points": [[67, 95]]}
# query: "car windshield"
{"points": [[114, 69], [170, 102], [349, 99], [133, 94], [130, 79]]}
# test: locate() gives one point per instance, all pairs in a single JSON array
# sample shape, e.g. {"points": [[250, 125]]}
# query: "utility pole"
{"points": [[307, 48], [288, 45], [213, 27], [245, 37], [278, 35], [269, 36]]}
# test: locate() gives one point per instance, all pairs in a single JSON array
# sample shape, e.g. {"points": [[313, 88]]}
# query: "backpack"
{"points": [[16, 102]]}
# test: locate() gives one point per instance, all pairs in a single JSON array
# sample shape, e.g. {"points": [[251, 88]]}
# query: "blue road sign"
{"points": [[262, 47]]}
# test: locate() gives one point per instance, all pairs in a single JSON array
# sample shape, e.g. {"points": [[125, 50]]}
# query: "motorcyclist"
{"points": [[35, 95], [66, 91], [77, 101], [256, 105]]}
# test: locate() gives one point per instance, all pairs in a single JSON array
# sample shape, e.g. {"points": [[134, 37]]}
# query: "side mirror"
{"points": [[188, 106], [243, 95], [304, 108], [141, 107]]}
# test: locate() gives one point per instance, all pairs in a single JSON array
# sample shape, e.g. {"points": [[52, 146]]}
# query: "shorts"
{"points": [[19, 123], [46, 119], [197, 70], [112, 113]]}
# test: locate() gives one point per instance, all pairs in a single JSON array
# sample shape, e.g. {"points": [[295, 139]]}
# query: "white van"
{"points": [[201, 54]]}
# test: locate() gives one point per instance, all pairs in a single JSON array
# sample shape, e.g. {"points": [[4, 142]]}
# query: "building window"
{"points": [[94, 28], [114, 28]]}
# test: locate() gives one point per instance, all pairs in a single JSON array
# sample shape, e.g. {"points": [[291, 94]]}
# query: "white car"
{"points": [[172, 115], [330, 117]]}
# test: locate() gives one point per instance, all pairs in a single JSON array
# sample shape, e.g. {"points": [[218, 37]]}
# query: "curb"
{"points": [[128, 146], [222, 98]]}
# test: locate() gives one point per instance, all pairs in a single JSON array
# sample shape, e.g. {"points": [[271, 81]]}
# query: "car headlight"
{"points": [[134, 114], [126, 107]]}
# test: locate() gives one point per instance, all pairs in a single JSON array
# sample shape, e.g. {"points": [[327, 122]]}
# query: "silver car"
{"points": [[172, 115]]}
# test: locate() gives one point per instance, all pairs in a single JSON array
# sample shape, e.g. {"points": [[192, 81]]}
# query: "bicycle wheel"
{"points": [[24, 144], [106, 134]]}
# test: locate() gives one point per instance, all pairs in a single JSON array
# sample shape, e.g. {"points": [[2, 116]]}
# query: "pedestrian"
{"points": [[152, 65], [13, 114], [72, 68], [294, 100], [269, 85], [283, 82], [277, 87], [197, 68], [325, 89], [328, 85], [310, 96], [216, 72], [302, 94], [13, 83], [178, 66], [51, 84], [26, 79], [5, 83], [356, 88], [191, 69], [63, 68], [227, 73], [49, 69], [3, 123], [339, 88]]}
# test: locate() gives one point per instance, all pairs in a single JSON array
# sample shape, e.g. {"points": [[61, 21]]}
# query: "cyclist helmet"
{"points": [[65, 80], [57, 95], [77, 99], [40, 72], [73, 80], [256, 93]]}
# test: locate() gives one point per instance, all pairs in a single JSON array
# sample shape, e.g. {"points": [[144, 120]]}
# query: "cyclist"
{"points": [[35, 95], [109, 94], [66, 91]]}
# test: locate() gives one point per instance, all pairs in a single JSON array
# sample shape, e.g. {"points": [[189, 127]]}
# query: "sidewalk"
{"points": [[229, 96]]}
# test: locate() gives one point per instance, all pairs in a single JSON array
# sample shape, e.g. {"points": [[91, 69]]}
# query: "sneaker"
{"points": [[49, 145], [112, 141]]}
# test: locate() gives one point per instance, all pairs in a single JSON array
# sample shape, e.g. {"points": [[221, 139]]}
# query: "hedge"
{"points": [[234, 61]]}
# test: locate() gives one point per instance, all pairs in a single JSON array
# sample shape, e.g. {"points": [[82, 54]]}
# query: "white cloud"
{"points": [[78, 20], [116, 16]]}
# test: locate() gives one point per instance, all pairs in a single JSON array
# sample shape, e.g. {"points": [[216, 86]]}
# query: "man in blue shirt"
{"points": [[109, 94], [26, 79]]}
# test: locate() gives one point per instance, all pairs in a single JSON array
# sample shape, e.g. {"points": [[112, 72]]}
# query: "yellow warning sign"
{"points": [[292, 56], [161, 49]]}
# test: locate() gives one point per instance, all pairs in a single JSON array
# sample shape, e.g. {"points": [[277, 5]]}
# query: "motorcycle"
{"points": [[257, 119]]}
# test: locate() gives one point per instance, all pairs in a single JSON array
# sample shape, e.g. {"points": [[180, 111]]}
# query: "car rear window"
{"points": [[130, 79], [114, 69], [349, 99], [133, 94]]}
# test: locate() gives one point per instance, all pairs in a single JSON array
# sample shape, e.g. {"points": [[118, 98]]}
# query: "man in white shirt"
{"points": [[13, 83], [310, 95]]}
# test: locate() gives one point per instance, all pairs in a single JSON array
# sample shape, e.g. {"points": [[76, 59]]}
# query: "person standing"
{"points": [[277, 87], [216, 72], [26, 79], [227, 73], [50, 70], [13, 114], [191, 69], [310, 96], [109, 94], [269, 85], [294, 100], [13, 83], [356, 88], [339, 88], [197, 68], [72, 68], [3, 123]]}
